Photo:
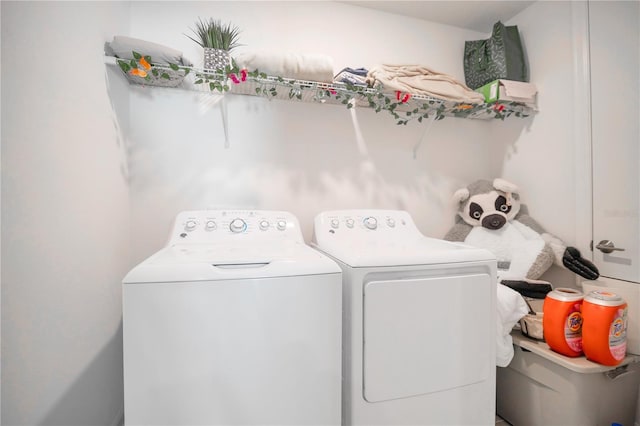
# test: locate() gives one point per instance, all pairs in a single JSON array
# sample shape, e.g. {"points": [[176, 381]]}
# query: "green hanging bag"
{"points": [[499, 57]]}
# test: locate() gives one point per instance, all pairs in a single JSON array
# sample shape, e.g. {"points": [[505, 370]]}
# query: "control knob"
{"points": [[335, 223], [190, 225], [370, 222], [210, 225], [281, 225], [391, 222], [350, 223], [237, 225], [264, 225]]}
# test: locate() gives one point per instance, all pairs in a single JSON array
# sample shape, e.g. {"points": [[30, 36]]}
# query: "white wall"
{"points": [[0, 229], [542, 162], [301, 157], [65, 216]]}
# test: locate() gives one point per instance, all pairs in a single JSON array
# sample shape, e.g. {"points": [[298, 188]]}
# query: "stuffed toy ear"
{"points": [[461, 195], [508, 188], [505, 186]]}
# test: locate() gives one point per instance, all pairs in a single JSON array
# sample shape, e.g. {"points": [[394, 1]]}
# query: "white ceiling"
{"points": [[479, 15]]}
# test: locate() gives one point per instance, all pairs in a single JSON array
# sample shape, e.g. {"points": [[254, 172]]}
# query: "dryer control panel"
{"points": [[363, 225], [220, 226], [376, 238]]}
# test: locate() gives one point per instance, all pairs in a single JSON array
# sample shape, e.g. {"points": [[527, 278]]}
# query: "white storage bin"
{"points": [[542, 387]]}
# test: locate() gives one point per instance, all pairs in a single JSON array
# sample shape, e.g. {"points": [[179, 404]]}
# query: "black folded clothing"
{"points": [[535, 290]]}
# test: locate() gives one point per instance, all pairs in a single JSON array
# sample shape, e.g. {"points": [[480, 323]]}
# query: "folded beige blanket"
{"points": [[417, 79]]}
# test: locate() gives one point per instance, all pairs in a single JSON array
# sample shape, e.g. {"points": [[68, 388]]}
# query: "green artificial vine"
{"points": [[404, 108], [141, 66]]}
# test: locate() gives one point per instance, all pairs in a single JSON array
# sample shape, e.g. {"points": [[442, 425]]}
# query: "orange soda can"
{"points": [[562, 321], [604, 332]]}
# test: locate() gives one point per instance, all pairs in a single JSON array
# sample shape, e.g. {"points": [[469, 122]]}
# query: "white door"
{"points": [[615, 95]]}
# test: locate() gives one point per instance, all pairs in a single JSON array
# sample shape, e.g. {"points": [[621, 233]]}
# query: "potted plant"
{"points": [[217, 39]]}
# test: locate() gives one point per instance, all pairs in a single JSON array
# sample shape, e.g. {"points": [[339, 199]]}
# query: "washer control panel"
{"points": [[200, 226]]}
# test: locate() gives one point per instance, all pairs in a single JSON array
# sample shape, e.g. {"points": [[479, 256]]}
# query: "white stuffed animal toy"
{"points": [[491, 216]]}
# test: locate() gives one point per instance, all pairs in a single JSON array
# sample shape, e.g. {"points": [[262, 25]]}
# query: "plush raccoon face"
{"points": [[488, 204]]}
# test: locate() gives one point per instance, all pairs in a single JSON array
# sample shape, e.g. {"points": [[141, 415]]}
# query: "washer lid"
{"points": [[205, 262], [369, 238], [232, 244]]}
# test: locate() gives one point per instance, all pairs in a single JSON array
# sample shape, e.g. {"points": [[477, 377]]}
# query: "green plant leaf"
{"points": [[136, 55], [124, 66], [214, 34], [174, 67], [154, 72], [165, 76], [133, 64]]}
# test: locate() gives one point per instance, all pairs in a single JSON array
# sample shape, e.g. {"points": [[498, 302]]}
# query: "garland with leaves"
{"points": [[141, 66], [404, 108]]}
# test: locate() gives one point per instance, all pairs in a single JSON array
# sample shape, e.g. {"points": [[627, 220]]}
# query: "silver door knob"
{"points": [[607, 246]]}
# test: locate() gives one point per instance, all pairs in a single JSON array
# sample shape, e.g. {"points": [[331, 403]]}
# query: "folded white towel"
{"points": [[122, 46], [301, 66], [510, 308]]}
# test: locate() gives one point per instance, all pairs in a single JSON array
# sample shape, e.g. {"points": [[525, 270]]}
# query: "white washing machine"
{"points": [[235, 322], [419, 320]]}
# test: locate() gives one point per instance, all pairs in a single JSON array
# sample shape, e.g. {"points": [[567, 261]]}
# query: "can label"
{"points": [[618, 335], [573, 329]]}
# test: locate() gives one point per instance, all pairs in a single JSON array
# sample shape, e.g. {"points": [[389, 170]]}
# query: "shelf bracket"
{"points": [[424, 133], [207, 102], [362, 146], [225, 121]]}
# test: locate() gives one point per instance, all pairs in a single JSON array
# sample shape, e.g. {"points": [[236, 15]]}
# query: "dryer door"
{"points": [[427, 335]]}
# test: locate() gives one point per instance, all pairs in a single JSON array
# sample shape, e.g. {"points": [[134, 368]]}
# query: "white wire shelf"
{"points": [[402, 106]]}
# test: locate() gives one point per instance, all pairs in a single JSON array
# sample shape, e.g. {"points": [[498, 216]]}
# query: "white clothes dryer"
{"points": [[235, 322], [419, 320]]}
